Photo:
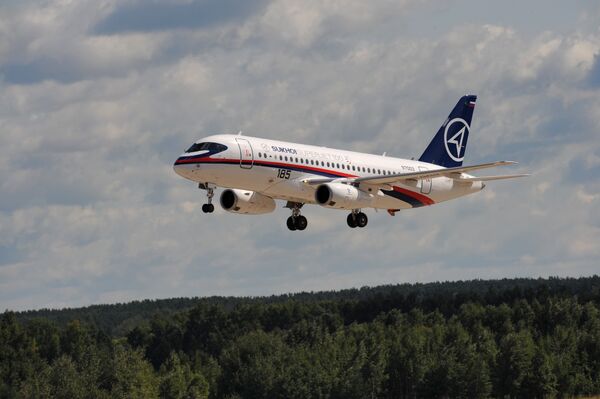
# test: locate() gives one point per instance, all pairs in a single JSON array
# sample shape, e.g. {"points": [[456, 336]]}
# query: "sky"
{"points": [[99, 97]]}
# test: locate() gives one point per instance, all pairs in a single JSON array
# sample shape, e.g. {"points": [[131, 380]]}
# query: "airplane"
{"points": [[255, 172]]}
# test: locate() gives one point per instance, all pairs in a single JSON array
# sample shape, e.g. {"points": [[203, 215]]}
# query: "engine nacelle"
{"points": [[246, 202], [342, 196]]}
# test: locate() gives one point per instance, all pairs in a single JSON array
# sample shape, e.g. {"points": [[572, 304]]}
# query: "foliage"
{"points": [[508, 338]]}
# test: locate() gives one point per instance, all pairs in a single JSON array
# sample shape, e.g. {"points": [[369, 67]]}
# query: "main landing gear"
{"points": [[296, 221], [357, 219], [210, 193]]}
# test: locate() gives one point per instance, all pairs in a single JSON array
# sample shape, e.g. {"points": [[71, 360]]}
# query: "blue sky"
{"points": [[97, 99]]}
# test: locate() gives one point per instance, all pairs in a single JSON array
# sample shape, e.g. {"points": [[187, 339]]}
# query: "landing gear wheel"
{"points": [[296, 221], [351, 220], [291, 224], [210, 193], [301, 222], [361, 219]]}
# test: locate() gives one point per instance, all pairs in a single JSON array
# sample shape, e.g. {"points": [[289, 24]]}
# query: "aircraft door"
{"points": [[425, 183], [246, 153]]}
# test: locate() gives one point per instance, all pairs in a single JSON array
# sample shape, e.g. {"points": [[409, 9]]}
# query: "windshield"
{"points": [[212, 147]]}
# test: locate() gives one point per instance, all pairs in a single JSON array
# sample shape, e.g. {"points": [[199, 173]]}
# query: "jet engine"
{"points": [[246, 202], [341, 196]]}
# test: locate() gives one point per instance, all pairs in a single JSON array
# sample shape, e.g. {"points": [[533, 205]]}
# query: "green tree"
{"points": [[19, 358], [409, 359], [133, 376], [515, 363], [178, 381], [65, 381]]}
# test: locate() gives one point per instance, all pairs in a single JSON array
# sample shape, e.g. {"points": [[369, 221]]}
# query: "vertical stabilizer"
{"points": [[449, 145]]}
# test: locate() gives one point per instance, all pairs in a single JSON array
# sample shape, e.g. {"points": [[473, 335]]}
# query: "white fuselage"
{"points": [[281, 169]]}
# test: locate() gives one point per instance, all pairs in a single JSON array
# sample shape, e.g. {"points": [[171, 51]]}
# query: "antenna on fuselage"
{"points": [[240, 133], [384, 154]]}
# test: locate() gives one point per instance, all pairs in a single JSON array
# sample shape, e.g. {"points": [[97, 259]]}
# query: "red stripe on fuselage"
{"points": [[265, 163]]}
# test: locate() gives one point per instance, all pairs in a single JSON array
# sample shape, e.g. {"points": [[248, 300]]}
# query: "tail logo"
{"points": [[456, 128]]}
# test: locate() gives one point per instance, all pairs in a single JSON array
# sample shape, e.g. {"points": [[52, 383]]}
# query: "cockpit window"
{"points": [[213, 147]]}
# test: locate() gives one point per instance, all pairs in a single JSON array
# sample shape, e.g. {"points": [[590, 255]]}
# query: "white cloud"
{"points": [[91, 211], [585, 197]]}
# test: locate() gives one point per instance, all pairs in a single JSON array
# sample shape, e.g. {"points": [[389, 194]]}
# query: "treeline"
{"points": [[530, 339], [118, 319]]}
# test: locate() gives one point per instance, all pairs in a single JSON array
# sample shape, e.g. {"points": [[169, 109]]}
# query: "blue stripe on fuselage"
{"points": [[415, 203]]}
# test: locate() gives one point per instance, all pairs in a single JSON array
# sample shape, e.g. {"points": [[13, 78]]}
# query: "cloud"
{"points": [[144, 16], [594, 74], [94, 113]]}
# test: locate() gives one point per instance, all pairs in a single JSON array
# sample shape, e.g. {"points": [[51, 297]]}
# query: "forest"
{"points": [[510, 338]]}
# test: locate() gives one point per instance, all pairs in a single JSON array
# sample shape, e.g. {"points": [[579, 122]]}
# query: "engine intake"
{"points": [[341, 196], [246, 202]]}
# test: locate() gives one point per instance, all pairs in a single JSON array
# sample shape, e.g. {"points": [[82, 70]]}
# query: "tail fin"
{"points": [[450, 143]]}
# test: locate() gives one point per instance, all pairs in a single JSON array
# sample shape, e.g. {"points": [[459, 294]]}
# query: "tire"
{"points": [[301, 223], [205, 208], [351, 220], [290, 224], [361, 220], [210, 208]]}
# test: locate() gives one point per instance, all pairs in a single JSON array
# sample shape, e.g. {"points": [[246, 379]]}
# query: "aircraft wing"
{"points": [[490, 178], [453, 173]]}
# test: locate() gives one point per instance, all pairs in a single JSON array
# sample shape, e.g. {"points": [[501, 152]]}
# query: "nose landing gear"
{"points": [[357, 219], [296, 221], [210, 193]]}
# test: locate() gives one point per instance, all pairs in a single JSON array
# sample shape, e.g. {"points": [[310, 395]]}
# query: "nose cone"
{"points": [[180, 168]]}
